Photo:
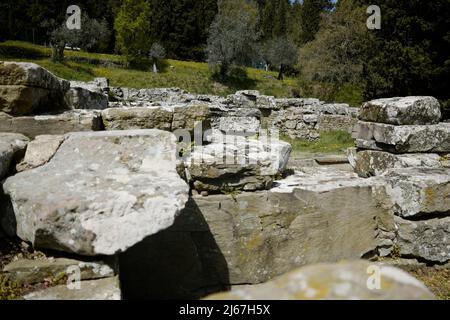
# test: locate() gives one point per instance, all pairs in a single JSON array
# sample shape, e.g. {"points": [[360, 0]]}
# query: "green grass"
{"points": [[194, 77], [329, 142]]}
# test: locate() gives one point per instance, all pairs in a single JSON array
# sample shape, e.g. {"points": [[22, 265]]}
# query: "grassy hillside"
{"points": [[191, 76]]}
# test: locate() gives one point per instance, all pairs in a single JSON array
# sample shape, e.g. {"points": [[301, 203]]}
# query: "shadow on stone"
{"points": [[182, 262]]}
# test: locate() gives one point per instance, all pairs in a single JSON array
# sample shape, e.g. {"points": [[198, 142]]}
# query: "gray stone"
{"points": [[405, 139], [69, 121], [101, 193], [40, 151], [239, 124], [29, 272], [102, 289], [373, 163], [318, 215], [418, 191], [12, 147], [402, 111], [424, 239], [138, 118], [190, 116], [237, 163], [81, 98], [342, 281], [27, 88]]}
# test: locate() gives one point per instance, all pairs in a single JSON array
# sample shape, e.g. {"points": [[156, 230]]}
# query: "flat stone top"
{"points": [[101, 193], [321, 180], [414, 110]]}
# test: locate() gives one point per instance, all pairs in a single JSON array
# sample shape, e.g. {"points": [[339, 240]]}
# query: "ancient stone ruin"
{"points": [[184, 195]]}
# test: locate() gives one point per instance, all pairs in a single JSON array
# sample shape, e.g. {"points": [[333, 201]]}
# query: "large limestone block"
{"points": [[427, 240], [230, 125], [370, 163], [237, 163], [138, 118], [343, 281], [418, 191], [402, 111], [101, 289], [30, 74], [405, 139], [251, 237], [101, 193], [27, 88], [69, 121], [12, 146]]}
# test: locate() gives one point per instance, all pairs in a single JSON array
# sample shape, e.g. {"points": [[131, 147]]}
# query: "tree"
{"points": [[156, 53], [133, 29], [281, 52], [410, 55], [92, 35], [232, 35], [310, 17]]}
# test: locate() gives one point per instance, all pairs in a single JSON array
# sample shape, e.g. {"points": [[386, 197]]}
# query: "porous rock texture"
{"points": [[351, 280], [101, 193]]}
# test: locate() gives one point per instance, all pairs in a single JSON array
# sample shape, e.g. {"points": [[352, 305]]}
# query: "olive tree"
{"points": [[280, 52]]}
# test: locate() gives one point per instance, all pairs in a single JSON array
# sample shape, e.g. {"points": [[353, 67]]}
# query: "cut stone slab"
{"points": [[27, 88], [190, 116], [101, 289], [402, 111], [101, 193], [12, 147], [250, 237], [418, 191], [81, 98], [405, 139], [40, 151], [238, 163], [424, 239], [342, 281], [373, 163], [29, 272], [138, 118], [69, 121]]}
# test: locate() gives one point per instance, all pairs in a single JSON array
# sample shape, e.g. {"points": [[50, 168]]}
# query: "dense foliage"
{"points": [[339, 58]]}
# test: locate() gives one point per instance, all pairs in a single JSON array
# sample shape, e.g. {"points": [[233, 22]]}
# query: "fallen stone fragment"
{"points": [[101, 193], [342, 281], [138, 118], [40, 151], [402, 111], [29, 272], [101, 289]]}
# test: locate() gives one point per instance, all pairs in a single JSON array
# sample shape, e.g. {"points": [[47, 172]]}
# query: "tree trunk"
{"points": [[155, 68], [280, 74], [58, 53]]}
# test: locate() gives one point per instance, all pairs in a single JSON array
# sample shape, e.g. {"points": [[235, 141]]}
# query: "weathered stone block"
{"points": [[402, 111]]}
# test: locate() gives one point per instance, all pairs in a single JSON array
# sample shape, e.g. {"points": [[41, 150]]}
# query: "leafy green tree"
{"points": [[133, 28], [310, 17], [233, 35], [280, 52], [410, 55]]}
